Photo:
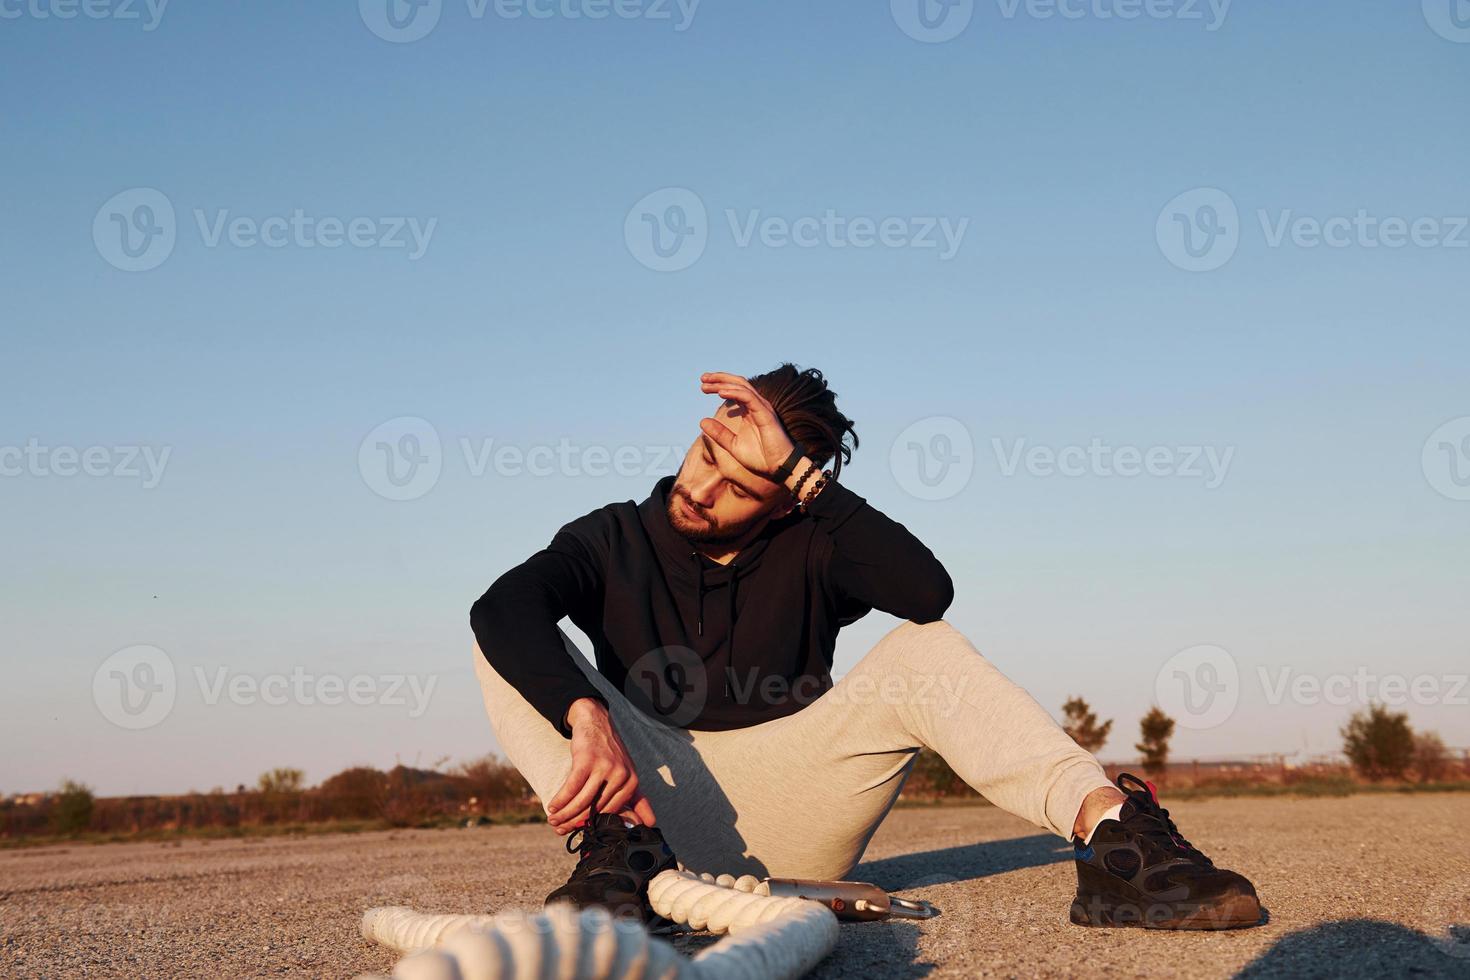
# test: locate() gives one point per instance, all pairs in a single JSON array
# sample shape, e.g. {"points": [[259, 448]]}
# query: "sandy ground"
{"points": [[1368, 886]]}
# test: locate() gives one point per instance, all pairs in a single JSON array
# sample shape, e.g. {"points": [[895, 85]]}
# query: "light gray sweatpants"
{"points": [[801, 796]]}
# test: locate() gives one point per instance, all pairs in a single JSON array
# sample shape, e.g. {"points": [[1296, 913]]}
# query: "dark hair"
{"points": [[808, 412]]}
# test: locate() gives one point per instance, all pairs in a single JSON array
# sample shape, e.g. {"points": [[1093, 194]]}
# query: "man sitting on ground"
{"points": [[713, 609]]}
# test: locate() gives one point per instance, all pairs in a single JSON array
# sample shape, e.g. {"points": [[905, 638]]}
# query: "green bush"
{"points": [[1083, 726], [1431, 758], [282, 781], [1379, 743], [73, 810], [1155, 729]]}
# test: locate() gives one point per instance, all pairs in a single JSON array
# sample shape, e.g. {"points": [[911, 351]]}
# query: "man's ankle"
{"points": [[1094, 806]]}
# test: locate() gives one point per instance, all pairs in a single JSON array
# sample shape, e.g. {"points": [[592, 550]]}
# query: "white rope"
{"points": [[769, 938]]}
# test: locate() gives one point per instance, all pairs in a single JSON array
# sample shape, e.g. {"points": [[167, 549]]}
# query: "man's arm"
{"points": [[515, 623], [875, 559]]}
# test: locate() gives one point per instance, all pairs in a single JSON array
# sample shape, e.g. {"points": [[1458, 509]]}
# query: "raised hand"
{"points": [[761, 445]]}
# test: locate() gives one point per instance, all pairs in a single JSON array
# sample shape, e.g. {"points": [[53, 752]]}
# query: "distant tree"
{"points": [[1083, 726], [74, 805], [1155, 729], [493, 783], [1379, 743], [356, 792], [281, 781], [1431, 759]]}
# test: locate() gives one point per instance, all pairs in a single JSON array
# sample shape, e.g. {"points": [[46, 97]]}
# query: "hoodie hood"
{"points": [[684, 565]]}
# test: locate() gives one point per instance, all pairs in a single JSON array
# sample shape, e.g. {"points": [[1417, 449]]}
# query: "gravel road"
{"points": [[1361, 887]]}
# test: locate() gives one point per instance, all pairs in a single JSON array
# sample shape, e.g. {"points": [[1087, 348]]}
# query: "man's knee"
{"points": [[934, 628], [909, 638], [927, 665]]}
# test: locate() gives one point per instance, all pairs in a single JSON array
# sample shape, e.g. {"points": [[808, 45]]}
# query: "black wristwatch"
{"points": [[783, 472]]}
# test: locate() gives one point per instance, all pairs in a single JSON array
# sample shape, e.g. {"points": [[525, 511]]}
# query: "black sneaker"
{"points": [[615, 867], [1139, 871]]}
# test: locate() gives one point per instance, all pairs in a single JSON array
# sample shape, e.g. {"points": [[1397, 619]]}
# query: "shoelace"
{"points": [[595, 844], [1167, 834]]}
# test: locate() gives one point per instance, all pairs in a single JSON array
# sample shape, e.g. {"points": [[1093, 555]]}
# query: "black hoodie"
{"points": [[695, 643]]}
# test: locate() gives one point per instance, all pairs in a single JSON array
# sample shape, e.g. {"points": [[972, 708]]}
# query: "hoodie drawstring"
{"points": [[699, 602], [734, 577]]}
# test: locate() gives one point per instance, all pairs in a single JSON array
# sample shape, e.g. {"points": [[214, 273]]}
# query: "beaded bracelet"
{"points": [[796, 490], [817, 487]]}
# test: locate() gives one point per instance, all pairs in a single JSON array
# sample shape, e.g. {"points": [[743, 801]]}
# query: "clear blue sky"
{"points": [[529, 318]]}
